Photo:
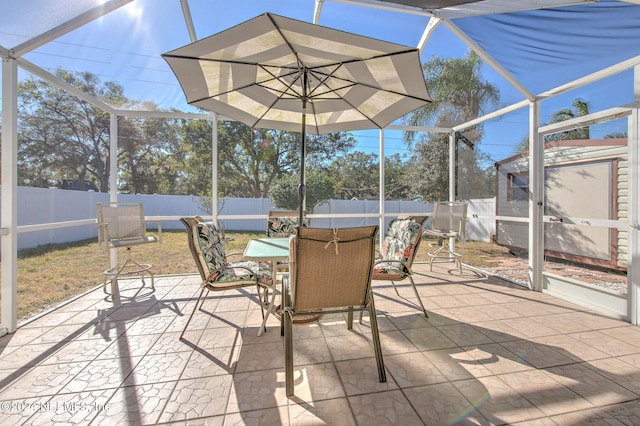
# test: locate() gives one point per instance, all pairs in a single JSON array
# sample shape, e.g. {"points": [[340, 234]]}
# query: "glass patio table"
{"points": [[268, 250]]}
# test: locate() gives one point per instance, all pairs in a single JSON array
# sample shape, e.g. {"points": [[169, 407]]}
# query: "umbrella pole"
{"points": [[302, 189]]}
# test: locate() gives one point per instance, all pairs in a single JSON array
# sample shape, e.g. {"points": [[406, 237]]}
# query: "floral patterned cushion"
{"points": [[213, 256], [247, 270], [283, 226], [210, 246], [398, 250]]}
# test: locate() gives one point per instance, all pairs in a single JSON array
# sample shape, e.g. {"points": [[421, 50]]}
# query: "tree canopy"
{"points": [[62, 137], [460, 93]]}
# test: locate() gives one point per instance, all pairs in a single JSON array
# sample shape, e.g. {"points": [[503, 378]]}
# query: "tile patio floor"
{"points": [[490, 353]]}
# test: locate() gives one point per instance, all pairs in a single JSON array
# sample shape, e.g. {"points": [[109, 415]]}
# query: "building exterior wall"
{"points": [[590, 156]]}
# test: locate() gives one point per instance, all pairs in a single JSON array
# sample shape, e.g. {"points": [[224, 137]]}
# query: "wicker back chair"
{"points": [[283, 223], [217, 273], [330, 271], [397, 253]]}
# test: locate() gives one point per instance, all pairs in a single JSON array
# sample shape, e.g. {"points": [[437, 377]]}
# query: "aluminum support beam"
{"points": [[214, 167], [633, 262], [381, 196], [489, 60], [428, 31], [536, 199], [68, 26], [191, 29], [113, 178], [57, 82], [9, 193], [452, 178]]}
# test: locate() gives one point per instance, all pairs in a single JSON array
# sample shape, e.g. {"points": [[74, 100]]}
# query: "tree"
{"points": [[148, 155], [61, 136], [428, 170], [250, 161], [460, 94], [284, 192], [357, 175], [195, 157], [458, 90], [581, 108]]}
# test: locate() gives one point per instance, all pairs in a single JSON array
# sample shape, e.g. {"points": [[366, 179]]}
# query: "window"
{"points": [[518, 187]]}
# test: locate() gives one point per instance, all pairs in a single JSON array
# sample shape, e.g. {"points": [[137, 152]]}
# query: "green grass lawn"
{"points": [[48, 275]]}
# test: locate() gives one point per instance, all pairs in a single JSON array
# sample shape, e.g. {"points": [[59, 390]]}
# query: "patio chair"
{"points": [[330, 272], [282, 224], [422, 219], [449, 223], [397, 253], [216, 271], [123, 225]]}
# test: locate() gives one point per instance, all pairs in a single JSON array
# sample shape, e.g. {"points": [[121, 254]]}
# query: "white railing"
{"points": [[51, 216]]}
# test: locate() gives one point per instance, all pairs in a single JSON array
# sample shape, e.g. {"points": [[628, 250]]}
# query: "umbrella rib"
{"points": [[277, 28], [354, 83], [277, 98]]}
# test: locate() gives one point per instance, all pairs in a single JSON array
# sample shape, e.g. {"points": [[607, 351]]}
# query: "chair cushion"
{"points": [[401, 240], [398, 250], [220, 273], [210, 247], [389, 271], [283, 226], [245, 271]]}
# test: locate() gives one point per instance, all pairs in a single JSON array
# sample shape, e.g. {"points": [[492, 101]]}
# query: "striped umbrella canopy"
{"points": [[279, 73]]}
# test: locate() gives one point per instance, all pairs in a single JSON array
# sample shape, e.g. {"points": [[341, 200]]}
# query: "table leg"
{"points": [[271, 305]]}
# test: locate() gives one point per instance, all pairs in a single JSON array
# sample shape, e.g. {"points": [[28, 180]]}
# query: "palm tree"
{"points": [[581, 108], [459, 93], [458, 90]]}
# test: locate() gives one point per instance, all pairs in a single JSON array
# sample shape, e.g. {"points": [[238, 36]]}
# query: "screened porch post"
{"points": [[9, 226], [452, 178], [113, 176], [214, 168], [536, 198], [382, 194], [633, 261]]}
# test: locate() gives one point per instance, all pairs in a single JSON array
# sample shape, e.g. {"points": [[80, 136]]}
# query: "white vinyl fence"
{"points": [[38, 207]]}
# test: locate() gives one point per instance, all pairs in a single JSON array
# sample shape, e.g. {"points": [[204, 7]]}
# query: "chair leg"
{"points": [[382, 375], [451, 256], [415, 290], [395, 288], [433, 255], [195, 307], [286, 301], [270, 307], [288, 351]]}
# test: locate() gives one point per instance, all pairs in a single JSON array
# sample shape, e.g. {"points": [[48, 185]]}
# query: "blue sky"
{"points": [[126, 45]]}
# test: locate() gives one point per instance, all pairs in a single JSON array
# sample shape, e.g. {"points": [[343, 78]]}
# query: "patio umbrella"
{"points": [[279, 73]]}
